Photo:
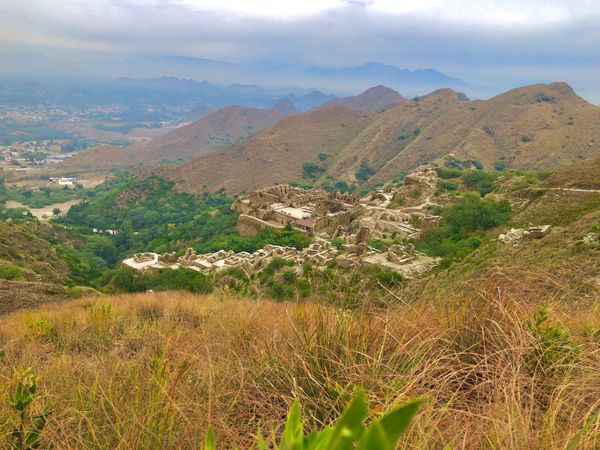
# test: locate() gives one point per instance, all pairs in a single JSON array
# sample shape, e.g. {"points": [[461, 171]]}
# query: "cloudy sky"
{"points": [[500, 43]]}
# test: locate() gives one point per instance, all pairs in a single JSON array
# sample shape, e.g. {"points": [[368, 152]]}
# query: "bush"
{"points": [[500, 165], [448, 172], [10, 272], [364, 172], [448, 185], [482, 182], [312, 170]]}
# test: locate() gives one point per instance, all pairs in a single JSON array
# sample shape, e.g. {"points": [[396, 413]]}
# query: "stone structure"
{"points": [[318, 253], [515, 235], [308, 211]]}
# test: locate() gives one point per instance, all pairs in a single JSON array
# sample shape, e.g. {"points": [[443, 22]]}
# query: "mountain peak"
{"points": [[373, 99], [285, 106]]}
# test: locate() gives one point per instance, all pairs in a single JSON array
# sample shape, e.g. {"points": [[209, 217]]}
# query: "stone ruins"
{"points": [[318, 253], [515, 235], [308, 211], [350, 220]]}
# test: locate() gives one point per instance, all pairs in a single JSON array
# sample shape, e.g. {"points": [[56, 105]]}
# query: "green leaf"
{"points": [[350, 426], [319, 439], [260, 441], [293, 434], [384, 433], [209, 442]]}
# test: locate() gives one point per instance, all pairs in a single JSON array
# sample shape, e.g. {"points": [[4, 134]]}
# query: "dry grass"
{"points": [[153, 370]]}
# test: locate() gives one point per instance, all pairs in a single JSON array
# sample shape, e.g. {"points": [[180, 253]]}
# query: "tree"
{"points": [[56, 212]]}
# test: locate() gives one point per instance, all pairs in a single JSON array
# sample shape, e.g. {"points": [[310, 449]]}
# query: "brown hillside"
{"points": [[275, 155], [392, 131], [581, 175], [217, 130], [373, 99], [22, 246], [534, 127]]}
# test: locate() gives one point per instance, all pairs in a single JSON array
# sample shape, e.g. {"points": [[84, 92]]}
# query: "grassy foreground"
{"points": [[156, 370]]}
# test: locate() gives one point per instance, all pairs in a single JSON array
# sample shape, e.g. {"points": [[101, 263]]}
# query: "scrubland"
{"points": [[155, 370]]}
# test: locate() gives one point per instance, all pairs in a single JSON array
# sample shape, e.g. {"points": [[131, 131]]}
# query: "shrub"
{"points": [[448, 172], [364, 172], [448, 185], [312, 170], [323, 156], [553, 349], [500, 165], [337, 243], [10, 272], [526, 138], [482, 182]]}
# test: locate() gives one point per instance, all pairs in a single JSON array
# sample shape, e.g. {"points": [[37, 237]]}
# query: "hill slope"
{"points": [[373, 99], [534, 127], [217, 130], [274, 155]]}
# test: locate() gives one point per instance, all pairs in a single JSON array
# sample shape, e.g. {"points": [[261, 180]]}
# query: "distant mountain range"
{"points": [[376, 73], [530, 128], [339, 81], [534, 127]]}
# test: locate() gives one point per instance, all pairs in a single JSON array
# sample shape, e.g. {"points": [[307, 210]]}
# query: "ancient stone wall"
{"points": [[251, 226]]}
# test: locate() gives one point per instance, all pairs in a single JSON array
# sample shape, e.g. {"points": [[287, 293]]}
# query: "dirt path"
{"points": [[44, 213]]}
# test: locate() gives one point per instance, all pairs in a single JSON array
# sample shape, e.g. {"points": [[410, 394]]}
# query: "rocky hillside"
{"points": [[223, 127], [274, 155], [534, 127], [562, 265]]}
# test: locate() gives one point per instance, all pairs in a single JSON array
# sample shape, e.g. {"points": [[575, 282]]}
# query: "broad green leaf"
{"points": [[384, 433], [318, 439], [293, 434], [350, 426]]}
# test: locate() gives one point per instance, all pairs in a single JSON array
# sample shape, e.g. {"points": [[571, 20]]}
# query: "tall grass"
{"points": [[156, 370]]}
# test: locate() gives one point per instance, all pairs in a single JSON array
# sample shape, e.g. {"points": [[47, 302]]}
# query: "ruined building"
{"points": [[309, 211]]}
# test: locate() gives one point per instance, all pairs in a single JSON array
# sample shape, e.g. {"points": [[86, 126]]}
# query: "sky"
{"points": [[493, 44]]}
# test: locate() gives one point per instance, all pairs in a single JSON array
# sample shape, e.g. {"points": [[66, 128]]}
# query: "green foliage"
{"points": [[463, 228], [553, 349], [526, 139], [323, 156], [448, 172], [364, 172], [40, 197], [312, 170], [348, 432], [9, 271], [27, 433], [129, 280], [482, 182], [448, 185], [337, 243], [378, 244], [500, 165]]}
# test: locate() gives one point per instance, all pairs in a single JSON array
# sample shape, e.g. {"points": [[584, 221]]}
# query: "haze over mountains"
{"points": [[217, 130], [535, 127], [340, 81]]}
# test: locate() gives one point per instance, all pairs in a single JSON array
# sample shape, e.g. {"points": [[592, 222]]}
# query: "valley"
{"points": [[370, 239]]}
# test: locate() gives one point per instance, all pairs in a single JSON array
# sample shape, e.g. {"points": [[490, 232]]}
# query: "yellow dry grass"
{"points": [[154, 370]]}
